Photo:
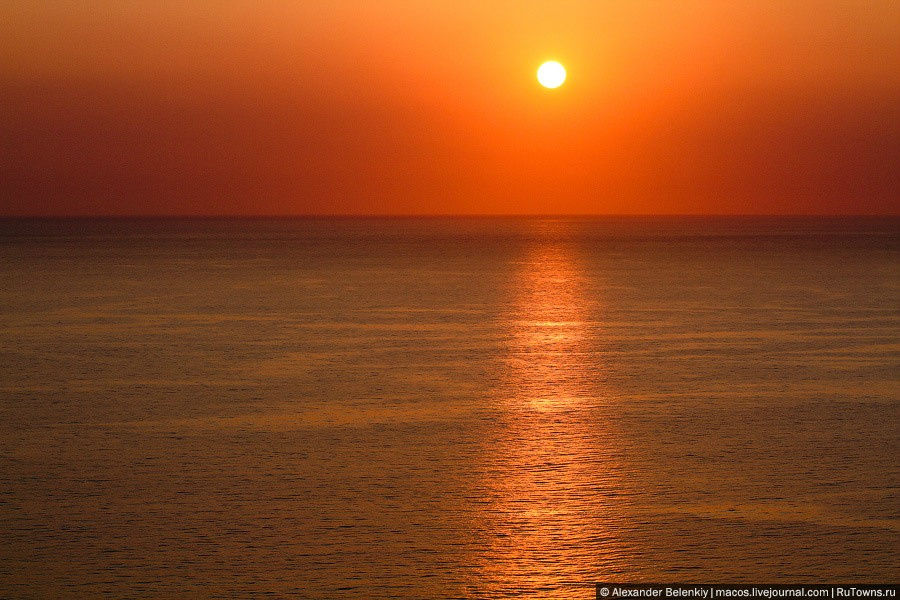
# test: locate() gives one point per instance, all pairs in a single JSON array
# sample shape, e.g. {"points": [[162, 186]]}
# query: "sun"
{"points": [[551, 74]]}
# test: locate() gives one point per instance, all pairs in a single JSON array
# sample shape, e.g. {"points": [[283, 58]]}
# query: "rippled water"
{"points": [[425, 408]]}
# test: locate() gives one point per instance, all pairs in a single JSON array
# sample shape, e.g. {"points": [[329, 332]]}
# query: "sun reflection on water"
{"points": [[553, 486]]}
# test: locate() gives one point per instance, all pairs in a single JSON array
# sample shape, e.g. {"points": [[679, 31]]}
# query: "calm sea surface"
{"points": [[433, 408]]}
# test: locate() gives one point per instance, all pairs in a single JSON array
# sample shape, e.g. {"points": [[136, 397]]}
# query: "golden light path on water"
{"points": [[554, 483]]}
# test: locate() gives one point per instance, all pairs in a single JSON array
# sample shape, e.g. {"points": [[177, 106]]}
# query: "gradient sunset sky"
{"points": [[130, 107]]}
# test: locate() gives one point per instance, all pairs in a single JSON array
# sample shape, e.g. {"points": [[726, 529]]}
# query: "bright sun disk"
{"points": [[551, 74]]}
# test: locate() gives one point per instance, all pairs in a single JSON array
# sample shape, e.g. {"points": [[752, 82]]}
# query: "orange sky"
{"points": [[404, 107]]}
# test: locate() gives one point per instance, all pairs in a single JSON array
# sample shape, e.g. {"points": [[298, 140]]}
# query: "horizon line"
{"points": [[432, 215]]}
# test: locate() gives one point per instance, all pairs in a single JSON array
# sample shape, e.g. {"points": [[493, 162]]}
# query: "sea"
{"points": [[446, 407]]}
